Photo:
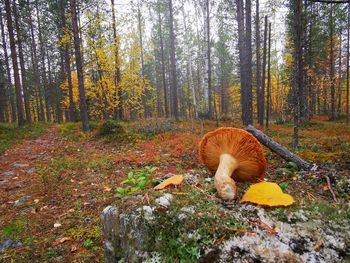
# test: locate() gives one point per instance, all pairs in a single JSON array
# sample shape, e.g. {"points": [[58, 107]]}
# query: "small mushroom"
{"points": [[234, 155]]}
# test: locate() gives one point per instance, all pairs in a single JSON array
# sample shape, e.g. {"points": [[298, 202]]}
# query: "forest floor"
{"points": [[55, 184]]}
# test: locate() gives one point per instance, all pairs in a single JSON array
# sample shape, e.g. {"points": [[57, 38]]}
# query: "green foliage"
{"points": [[136, 181], [284, 186], [73, 130], [15, 229], [10, 134], [111, 127], [88, 243]]}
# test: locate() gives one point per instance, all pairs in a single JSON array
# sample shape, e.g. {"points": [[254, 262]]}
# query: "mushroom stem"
{"points": [[224, 184]]}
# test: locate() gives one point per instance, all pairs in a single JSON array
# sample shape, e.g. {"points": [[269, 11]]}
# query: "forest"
{"points": [[174, 131]]}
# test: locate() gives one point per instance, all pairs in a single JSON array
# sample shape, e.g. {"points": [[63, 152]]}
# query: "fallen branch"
{"points": [[289, 156], [278, 148]]}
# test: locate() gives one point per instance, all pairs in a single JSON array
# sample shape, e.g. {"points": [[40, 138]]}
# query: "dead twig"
{"points": [[330, 186], [264, 227], [240, 230]]}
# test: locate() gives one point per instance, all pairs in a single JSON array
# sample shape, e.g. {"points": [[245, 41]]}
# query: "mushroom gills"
{"points": [[224, 184]]}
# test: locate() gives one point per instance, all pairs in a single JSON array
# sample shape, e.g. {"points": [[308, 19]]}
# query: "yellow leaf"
{"points": [[267, 194], [174, 180]]}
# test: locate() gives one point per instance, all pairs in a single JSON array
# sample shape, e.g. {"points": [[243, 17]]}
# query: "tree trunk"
{"points": [[41, 113], [340, 77], [14, 64], [72, 107], [9, 94], [297, 68], [245, 58], [268, 99], [258, 63], [22, 64], [117, 79], [248, 60], [79, 64], [331, 65], [43, 69], [173, 73], [347, 69], [144, 95], [166, 105], [262, 94], [208, 55]]}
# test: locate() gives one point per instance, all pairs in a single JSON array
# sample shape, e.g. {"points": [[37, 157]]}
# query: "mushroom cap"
{"points": [[243, 146]]}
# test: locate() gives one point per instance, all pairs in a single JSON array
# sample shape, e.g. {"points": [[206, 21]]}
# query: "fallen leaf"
{"points": [[61, 240], [73, 249], [267, 194], [57, 225], [107, 189], [174, 180]]}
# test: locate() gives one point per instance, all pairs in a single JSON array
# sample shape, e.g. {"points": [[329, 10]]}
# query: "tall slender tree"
{"points": [[245, 58], [18, 87], [268, 98], [79, 65], [258, 63], [173, 74], [9, 94]]}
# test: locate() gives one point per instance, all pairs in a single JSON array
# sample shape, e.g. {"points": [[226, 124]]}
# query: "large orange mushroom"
{"points": [[234, 155]]}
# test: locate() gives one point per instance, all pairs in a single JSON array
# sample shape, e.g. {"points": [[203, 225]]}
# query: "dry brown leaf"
{"points": [[73, 249], [174, 180], [267, 194], [61, 241]]}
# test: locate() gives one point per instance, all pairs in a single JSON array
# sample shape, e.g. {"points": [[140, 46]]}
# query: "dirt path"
{"points": [[17, 166], [52, 191]]}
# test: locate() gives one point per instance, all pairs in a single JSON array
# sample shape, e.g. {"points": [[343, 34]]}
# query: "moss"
{"points": [[193, 222]]}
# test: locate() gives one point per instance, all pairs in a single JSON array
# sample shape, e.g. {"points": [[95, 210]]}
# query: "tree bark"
{"points": [[43, 68], [297, 68], [144, 95], [258, 63], [173, 74], [331, 65], [208, 44], [262, 94], [278, 148], [347, 70], [14, 64], [40, 112], [9, 94], [79, 64], [67, 61], [268, 99], [340, 77], [22, 64], [117, 79], [165, 90]]}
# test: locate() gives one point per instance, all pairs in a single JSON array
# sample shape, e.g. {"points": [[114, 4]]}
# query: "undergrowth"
{"points": [[10, 134]]}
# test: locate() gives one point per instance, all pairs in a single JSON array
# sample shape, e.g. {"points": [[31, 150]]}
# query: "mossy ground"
{"points": [[80, 173]]}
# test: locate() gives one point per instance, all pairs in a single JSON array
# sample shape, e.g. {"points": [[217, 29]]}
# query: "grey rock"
{"points": [[9, 243], [32, 170], [22, 200], [87, 220], [9, 173], [126, 236], [20, 165]]}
